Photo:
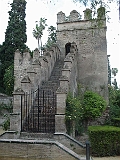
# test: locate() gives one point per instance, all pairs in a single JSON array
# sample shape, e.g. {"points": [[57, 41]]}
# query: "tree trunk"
{"points": [[39, 46], [85, 122]]}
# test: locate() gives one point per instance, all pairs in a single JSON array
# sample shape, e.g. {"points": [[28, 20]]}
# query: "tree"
{"points": [[51, 37], [9, 80], [109, 70], [93, 106], [114, 73], [38, 31], [15, 36]]}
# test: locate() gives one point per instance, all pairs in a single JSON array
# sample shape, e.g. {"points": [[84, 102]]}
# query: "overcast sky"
{"points": [[35, 9]]}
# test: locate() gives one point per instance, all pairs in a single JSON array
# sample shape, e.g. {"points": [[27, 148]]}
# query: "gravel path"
{"points": [[106, 158]]}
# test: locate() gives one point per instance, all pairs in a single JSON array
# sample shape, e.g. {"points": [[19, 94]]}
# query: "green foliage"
{"points": [[115, 122], [6, 123], [114, 71], [81, 109], [73, 113], [105, 140], [51, 37], [7, 107], [9, 80], [109, 70], [93, 105], [114, 102], [38, 31], [3, 109], [15, 38]]}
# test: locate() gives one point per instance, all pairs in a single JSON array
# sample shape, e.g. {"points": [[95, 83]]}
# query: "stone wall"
{"points": [[90, 38], [30, 71], [68, 82]]}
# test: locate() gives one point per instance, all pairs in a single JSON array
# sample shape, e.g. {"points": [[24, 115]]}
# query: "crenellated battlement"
{"points": [[30, 71], [75, 16]]}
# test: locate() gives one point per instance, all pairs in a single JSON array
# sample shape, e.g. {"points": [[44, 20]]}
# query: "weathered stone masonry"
{"points": [[82, 45], [90, 38]]}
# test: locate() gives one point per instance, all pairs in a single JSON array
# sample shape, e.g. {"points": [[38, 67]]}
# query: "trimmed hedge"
{"points": [[116, 122], [105, 140]]}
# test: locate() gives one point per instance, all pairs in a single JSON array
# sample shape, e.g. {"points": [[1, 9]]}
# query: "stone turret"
{"points": [[90, 37]]}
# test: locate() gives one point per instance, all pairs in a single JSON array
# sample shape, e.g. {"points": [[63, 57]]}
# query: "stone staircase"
{"points": [[53, 82], [41, 117], [45, 135]]}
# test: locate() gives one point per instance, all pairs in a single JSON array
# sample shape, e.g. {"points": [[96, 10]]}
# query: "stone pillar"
{"points": [[68, 62], [66, 72], [64, 82], [15, 118], [26, 84], [60, 114], [32, 74]]}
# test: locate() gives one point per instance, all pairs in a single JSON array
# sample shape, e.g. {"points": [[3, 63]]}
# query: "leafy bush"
{"points": [[93, 105], [80, 110], [114, 102], [105, 140], [116, 122], [6, 123], [9, 80], [7, 107], [73, 112]]}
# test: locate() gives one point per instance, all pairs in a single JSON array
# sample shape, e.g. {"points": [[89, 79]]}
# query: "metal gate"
{"points": [[38, 111]]}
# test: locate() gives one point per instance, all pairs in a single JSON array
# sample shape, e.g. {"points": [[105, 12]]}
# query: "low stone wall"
{"points": [[71, 143], [36, 149]]}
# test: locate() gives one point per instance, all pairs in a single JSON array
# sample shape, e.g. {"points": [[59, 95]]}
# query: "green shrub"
{"points": [[7, 107], [116, 122], [73, 113], [105, 140], [6, 123], [81, 109], [93, 106]]}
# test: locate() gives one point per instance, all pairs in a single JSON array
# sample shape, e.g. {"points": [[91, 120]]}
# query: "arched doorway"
{"points": [[67, 48]]}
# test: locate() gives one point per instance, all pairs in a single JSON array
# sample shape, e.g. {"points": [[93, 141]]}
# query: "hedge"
{"points": [[105, 140], [116, 122]]}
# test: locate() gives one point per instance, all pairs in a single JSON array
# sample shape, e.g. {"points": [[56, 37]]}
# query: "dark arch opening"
{"points": [[67, 48]]}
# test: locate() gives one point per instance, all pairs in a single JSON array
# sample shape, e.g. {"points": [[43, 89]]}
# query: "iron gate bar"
{"points": [[38, 111]]}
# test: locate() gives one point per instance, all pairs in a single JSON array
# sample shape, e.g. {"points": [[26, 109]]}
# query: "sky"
{"points": [[35, 9]]}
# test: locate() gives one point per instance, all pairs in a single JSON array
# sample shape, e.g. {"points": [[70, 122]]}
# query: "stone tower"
{"points": [[90, 37]]}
